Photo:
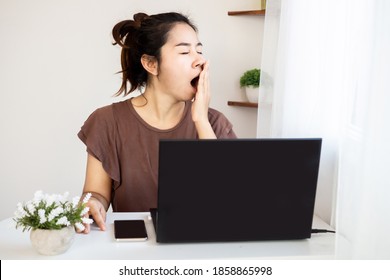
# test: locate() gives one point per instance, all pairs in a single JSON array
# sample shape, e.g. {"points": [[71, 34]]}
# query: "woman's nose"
{"points": [[199, 61]]}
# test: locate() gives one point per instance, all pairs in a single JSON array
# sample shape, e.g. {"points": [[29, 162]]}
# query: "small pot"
{"points": [[52, 241], [252, 93]]}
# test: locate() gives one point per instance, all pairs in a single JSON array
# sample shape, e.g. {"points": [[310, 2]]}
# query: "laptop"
{"points": [[236, 189]]}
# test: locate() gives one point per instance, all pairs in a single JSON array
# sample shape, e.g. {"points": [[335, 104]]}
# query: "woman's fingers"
{"points": [[202, 97], [98, 213]]}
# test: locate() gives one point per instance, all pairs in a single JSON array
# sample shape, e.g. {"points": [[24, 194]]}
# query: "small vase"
{"points": [[52, 241], [252, 93]]}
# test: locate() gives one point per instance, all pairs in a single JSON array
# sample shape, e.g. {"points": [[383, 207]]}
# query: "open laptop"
{"points": [[236, 189]]}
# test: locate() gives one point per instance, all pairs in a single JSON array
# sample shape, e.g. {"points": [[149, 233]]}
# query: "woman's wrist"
{"points": [[204, 129], [98, 197]]}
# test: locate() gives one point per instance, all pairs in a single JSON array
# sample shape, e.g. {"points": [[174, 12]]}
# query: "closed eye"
{"points": [[189, 52], [198, 47]]}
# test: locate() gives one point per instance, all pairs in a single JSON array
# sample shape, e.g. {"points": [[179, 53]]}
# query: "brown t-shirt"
{"points": [[127, 147]]}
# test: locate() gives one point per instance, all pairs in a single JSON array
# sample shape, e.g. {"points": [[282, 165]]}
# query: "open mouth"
{"points": [[194, 82]]}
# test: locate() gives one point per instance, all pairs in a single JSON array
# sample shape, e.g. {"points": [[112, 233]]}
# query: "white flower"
{"points": [[75, 201], [87, 197], [30, 208], [63, 221], [20, 212], [87, 220], [85, 211], [38, 196], [79, 226], [50, 199], [55, 212], [42, 217]]}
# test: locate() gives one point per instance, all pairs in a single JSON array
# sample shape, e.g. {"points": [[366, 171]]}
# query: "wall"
{"points": [[57, 65]]}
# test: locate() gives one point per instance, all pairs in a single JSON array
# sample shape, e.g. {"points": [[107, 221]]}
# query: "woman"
{"points": [[162, 57]]}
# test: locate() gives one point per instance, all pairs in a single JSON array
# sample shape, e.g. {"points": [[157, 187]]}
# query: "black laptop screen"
{"points": [[236, 189]]}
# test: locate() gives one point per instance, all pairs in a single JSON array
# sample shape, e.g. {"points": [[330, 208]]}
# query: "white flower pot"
{"points": [[52, 241], [252, 93], [255, 95]]}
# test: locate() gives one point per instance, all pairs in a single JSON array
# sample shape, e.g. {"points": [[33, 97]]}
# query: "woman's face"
{"points": [[181, 63]]}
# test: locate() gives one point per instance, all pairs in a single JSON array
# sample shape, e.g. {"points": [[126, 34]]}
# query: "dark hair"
{"points": [[143, 35]]}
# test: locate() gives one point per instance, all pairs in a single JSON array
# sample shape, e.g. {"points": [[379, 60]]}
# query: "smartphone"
{"points": [[130, 230]]}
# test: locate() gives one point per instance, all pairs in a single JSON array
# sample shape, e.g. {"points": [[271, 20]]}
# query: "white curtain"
{"points": [[329, 65]]}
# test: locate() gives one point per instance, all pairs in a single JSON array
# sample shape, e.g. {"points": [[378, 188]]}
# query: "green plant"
{"points": [[53, 211], [250, 78]]}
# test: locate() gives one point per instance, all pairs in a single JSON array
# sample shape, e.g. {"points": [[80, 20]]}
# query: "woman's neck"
{"points": [[159, 110]]}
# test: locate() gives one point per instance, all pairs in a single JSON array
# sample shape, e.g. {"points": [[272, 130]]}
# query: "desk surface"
{"points": [[15, 244]]}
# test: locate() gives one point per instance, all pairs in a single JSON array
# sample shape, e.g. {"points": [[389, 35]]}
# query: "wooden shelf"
{"points": [[239, 13], [242, 104], [251, 12]]}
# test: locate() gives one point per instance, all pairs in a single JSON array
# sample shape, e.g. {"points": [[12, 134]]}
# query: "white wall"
{"points": [[57, 65]]}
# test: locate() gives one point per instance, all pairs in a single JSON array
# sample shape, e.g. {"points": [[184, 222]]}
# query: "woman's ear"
{"points": [[150, 64]]}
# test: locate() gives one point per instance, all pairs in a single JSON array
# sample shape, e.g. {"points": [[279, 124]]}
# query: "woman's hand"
{"points": [[98, 213], [200, 105], [201, 101]]}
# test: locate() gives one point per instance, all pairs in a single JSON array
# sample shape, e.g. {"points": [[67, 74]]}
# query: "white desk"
{"points": [[15, 244]]}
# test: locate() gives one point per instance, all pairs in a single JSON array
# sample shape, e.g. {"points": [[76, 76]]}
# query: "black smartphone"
{"points": [[130, 230]]}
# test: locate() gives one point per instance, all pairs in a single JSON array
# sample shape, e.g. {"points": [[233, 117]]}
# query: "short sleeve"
{"points": [[99, 134], [222, 127]]}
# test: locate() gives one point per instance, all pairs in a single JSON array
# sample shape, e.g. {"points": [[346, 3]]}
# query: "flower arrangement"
{"points": [[53, 211]]}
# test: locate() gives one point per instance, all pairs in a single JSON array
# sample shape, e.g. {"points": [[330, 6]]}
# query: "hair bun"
{"points": [[138, 18], [127, 28]]}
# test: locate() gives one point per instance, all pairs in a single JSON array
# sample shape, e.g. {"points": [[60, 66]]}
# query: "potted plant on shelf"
{"points": [[52, 220], [250, 80]]}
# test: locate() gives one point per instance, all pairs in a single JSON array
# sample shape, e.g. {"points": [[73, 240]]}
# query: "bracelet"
{"points": [[99, 197]]}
